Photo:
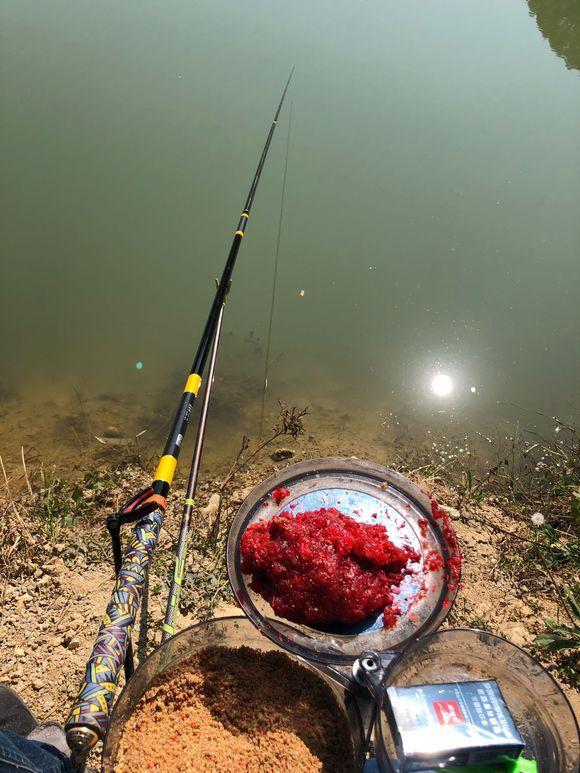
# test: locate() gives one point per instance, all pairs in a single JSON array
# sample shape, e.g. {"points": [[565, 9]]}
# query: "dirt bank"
{"points": [[58, 577]]}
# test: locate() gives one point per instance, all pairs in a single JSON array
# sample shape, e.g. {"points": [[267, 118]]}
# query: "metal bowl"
{"points": [[371, 494]]}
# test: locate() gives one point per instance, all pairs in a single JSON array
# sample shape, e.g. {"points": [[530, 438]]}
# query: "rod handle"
{"points": [[89, 716]]}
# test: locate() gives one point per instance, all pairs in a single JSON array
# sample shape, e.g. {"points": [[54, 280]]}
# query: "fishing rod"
{"points": [[181, 550], [89, 716]]}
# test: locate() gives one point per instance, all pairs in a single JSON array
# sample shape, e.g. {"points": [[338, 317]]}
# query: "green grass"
{"points": [[59, 503]]}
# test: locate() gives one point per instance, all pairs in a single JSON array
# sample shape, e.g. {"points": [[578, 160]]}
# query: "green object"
{"points": [[505, 766]]}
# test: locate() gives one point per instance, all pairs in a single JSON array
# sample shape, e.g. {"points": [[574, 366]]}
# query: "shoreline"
{"points": [[52, 604]]}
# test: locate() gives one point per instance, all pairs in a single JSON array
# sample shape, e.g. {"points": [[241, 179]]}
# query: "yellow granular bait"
{"points": [[238, 710]]}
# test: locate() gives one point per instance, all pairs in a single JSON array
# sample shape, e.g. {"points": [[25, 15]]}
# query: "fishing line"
{"points": [[274, 280]]}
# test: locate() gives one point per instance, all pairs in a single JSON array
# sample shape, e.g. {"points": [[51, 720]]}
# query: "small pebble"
{"points": [[212, 506], [281, 454]]}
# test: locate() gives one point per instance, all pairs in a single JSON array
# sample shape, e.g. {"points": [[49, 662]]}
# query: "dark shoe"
{"points": [[14, 713]]}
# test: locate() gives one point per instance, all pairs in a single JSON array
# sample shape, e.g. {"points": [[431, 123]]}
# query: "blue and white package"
{"points": [[459, 723]]}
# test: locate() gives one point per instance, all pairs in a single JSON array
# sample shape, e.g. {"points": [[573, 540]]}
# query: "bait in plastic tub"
{"points": [[369, 495], [232, 633], [538, 706]]}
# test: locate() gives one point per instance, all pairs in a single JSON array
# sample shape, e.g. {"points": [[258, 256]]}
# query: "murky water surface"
{"points": [[430, 229]]}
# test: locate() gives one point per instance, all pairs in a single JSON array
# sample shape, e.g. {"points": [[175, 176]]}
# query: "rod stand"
{"points": [[114, 523], [131, 512]]}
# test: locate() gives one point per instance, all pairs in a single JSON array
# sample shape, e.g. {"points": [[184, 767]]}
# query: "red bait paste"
{"points": [[453, 563], [279, 494], [323, 567]]}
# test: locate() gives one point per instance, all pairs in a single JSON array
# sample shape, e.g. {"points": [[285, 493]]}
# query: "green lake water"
{"points": [[431, 215]]}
